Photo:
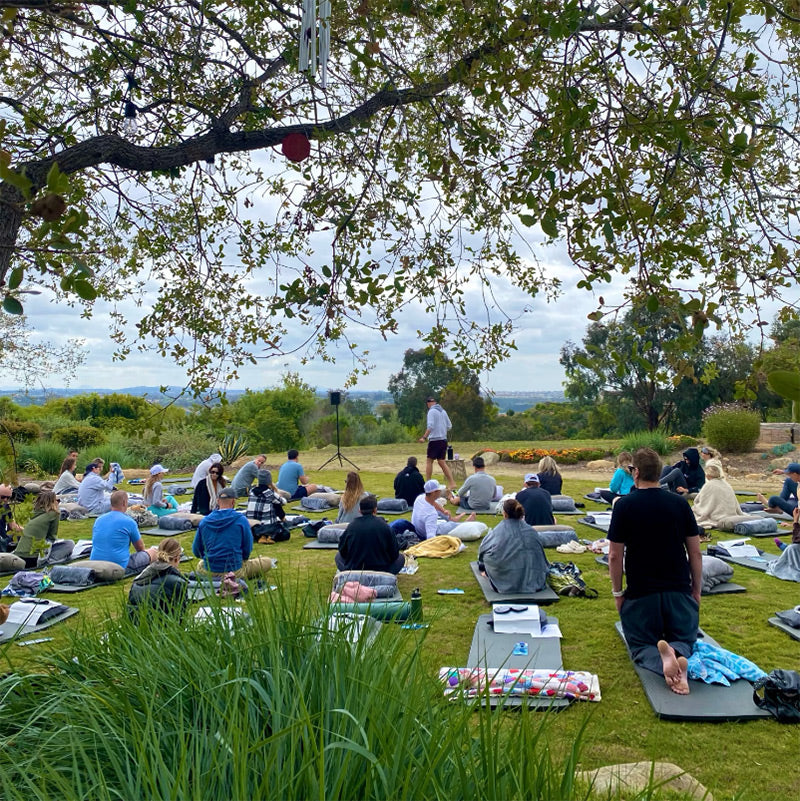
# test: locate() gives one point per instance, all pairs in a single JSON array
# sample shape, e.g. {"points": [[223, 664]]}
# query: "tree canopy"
{"points": [[658, 141]]}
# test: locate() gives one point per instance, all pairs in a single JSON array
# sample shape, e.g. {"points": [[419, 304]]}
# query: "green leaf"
{"points": [[15, 278], [12, 305], [527, 219], [652, 304], [549, 225], [84, 290]]}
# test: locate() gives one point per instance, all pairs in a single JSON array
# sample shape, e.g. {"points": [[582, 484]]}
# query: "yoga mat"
{"points": [[746, 493], [586, 522], [753, 562], [707, 703], [381, 608], [779, 624], [490, 649], [155, 531], [75, 588], [316, 545], [26, 619], [774, 515], [724, 588], [494, 506], [298, 508], [542, 597]]}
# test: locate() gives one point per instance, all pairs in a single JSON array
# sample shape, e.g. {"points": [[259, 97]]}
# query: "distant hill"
{"points": [[518, 401]]}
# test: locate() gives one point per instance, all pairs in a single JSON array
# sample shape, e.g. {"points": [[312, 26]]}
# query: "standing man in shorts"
{"points": [[438, 426]]}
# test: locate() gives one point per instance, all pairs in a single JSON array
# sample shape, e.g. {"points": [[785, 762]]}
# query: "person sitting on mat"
{"points": [[292, 480], [787, 567], [660, 607], [67, 481], [7, 523], [716, 500], [41, 531], [92, 492], [795, 524], [536, 502], [709, 456], [204, 500], [224, 542], [428, 517], [511, 554], [201, 471], [114, 532], [477, 492], [622, 480], [154, 498], [247, 474], [787, 500], [549, 478], [409, 483], [265, 511], [685, 476], [161, 586], [368, 543], [348, 503]]}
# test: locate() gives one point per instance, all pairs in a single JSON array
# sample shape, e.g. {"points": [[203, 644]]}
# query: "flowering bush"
{"points": [[731, 427], [678, 442], [561, 455]]}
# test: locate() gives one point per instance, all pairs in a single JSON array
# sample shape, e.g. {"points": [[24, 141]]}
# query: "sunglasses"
{"points": [[504, 610]]}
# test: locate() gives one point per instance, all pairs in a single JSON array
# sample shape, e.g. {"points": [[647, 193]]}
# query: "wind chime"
{"points": [[314, 50], [309, 53]]}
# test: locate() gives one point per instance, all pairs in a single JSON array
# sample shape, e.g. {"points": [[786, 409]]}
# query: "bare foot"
{"points": [[761, 499], [675, 669], [457, 517], [471, 517]]}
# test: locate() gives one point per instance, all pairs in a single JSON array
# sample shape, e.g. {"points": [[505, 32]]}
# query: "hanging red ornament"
{"points": [[296, 147]]}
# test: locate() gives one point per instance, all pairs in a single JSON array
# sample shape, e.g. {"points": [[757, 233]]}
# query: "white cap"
{"points": [[158, 468], [433, 485], [531, 477]]}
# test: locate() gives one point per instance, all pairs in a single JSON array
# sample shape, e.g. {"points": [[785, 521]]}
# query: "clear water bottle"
{"points": [[416, 604]]}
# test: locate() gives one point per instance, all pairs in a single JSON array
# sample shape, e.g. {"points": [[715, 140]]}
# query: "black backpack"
{"points": [[781, 695]]}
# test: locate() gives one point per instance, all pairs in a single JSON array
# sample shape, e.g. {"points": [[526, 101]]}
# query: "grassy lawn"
{"points": [[753, 760]]}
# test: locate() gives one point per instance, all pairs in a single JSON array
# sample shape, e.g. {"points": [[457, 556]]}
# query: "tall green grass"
{"points": [[273, 707], [657, 440], [47, 454]]}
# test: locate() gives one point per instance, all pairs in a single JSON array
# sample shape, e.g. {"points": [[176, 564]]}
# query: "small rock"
{"points": [[600, 464], [635, 777], [490, 457]]}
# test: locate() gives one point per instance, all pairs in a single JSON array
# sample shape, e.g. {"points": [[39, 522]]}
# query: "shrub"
{"points": [[322, 714], [179, 449], [48, 455], [78, 437], [731, 428], [679, 442], [656, 440], [22, 430]]}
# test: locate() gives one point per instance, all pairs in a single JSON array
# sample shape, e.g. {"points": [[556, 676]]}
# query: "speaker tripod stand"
{"points": [[339, 455]]}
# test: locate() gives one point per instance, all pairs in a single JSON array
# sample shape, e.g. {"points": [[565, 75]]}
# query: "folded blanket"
{"points": [[563, 503], [790, 617], [751, 506], [393, 505], [74, 576], [715, 571], [385, 584], [331, 533], [715, 665], [437, 547], [315, 504], [472, 682], [729, 522], [553, 536], [759, 525], [353, 592], [174, 523]]}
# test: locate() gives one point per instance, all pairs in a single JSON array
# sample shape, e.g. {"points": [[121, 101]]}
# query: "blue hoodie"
{"points": [[223, 540]]}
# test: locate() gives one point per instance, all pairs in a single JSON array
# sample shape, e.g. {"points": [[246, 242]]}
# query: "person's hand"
{"points": [[682, 490], [15, 526], [696, 595], [421, 439]]}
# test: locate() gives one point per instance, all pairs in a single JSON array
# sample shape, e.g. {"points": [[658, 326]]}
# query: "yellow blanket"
{"points": [[436, 547]]}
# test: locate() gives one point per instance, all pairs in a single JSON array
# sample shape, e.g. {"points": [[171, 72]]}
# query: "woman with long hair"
{"points": [[67, 480], [622, 480], [549, 477], [41, 531], [154, 498], [511, 554], [348, 503], [204, 500], [161, 586]]}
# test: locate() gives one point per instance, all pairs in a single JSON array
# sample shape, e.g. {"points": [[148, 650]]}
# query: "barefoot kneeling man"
{"points": [[654, 533]]}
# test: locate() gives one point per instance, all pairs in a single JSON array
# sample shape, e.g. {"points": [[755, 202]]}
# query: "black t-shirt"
{"points": [[368, 544], [538, 506], [408, 484], [654, 525]]}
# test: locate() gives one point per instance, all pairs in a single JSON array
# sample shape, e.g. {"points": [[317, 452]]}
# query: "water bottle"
{"points": [[416, 605], [450, 453]]}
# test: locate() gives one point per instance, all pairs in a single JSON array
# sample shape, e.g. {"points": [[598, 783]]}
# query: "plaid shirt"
{"points": [[260, 506]]}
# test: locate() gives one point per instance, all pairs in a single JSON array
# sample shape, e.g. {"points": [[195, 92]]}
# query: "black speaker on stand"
{"points": [[336, 399]]}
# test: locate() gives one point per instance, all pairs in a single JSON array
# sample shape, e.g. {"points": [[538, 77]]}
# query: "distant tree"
{"points": [[466, 408], [428, 372]]}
